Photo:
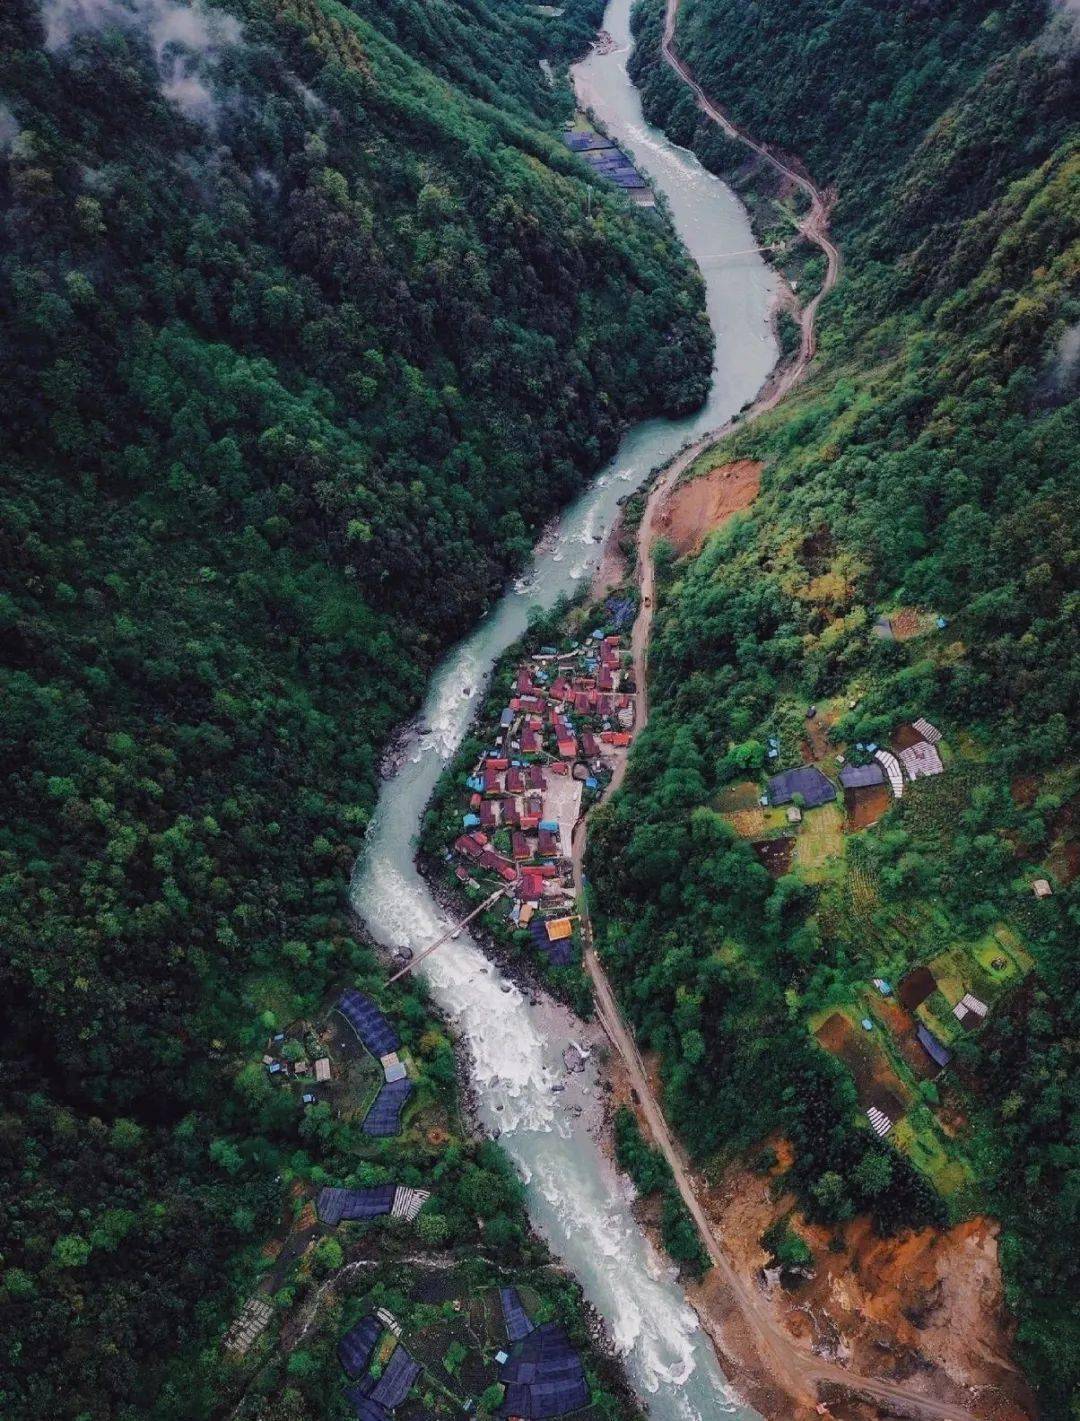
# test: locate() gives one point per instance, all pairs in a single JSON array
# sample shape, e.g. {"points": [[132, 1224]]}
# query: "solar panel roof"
{"points": [[558, 1399], [368, 1022], [384, 1117], [514, 1315], [581, 142], [356, 1347], [808, 781], [333, 1205], [396, 1381], [862, 776], [365, 1408]]}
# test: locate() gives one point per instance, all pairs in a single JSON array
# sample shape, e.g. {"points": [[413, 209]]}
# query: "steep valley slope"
{"points": [[308, 321], [911, 556]]}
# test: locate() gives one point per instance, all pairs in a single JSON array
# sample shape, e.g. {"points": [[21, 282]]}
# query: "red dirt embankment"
{"points": [[693, 510], [926, 1307]]}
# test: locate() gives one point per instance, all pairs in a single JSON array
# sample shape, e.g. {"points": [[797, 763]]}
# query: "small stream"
{"points": [[576, 1199]]}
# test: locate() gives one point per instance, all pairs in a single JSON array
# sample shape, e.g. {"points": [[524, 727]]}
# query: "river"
{"points": [[575, 1198]]}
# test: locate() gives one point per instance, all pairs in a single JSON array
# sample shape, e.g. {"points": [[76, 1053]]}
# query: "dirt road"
{"points": [[814, 226], [798, 1372]]}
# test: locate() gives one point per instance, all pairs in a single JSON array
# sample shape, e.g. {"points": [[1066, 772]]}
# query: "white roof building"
{"points": [[879, 1121], [921, 758], [891, 765], [927, 731]]}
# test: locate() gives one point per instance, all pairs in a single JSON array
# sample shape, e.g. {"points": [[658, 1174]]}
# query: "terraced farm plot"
{"points": [[747, 822], [901, 1028], [917, 1137], [742, 795], [862, 890], [876, 1083], [820, 841], [953, 972], [936, 1013], [1002, 957], [775, 854]]}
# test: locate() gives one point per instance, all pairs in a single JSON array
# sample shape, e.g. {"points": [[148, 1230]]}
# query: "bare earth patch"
{"points": [[775, 854], [695, 509], [817, 746], [876, 1083], [747, 822], [925, 1306], [866, 805]]}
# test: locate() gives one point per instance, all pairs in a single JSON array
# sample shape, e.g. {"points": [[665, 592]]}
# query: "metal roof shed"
{"points": [[356, 1347], [808, 781]]}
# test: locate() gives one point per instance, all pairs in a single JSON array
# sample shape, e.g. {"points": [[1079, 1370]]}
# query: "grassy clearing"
{"points": [[919, 1137], [820, 843]]}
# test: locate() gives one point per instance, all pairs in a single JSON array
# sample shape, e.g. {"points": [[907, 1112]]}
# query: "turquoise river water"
{"points": [[576, 1199]]}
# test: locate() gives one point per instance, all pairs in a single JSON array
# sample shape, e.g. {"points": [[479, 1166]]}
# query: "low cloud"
{"points": [[1066, 366], [186, 41], [10, 128], [1061, 34]]}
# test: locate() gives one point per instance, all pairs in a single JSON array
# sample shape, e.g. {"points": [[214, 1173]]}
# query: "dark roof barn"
{"points": [[356, 1347], [815, 787]]}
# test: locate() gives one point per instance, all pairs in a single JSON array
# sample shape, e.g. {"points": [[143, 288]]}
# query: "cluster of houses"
{"points": [[398, 1201], [569, 714], [605, 159], [287, 1057], [916, 756], [542, 1373]]}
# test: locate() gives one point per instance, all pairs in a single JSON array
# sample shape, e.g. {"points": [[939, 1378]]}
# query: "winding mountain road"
{"points": [[799, 1372], [814, 226]]}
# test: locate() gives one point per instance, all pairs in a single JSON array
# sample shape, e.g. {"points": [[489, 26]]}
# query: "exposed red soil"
{"points": [[693, 510], [866, 805], [876, 1083], [1025, 789], [816, 744], [926, 1305], [901, 1026], [775, 854], [906, 623], [905, 735], [1064, 861]]}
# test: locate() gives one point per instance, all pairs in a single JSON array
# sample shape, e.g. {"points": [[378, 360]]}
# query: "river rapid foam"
{"points": [[576, 1199]]}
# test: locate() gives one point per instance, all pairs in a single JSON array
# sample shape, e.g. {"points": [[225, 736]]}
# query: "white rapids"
{"points": [[576, 1199]]}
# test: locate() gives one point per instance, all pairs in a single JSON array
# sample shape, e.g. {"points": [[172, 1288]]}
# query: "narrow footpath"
{"points": [[797, 1371]]}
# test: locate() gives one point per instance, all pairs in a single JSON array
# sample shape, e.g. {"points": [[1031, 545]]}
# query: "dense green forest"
{"points": [[304, 328], [929, 465]]}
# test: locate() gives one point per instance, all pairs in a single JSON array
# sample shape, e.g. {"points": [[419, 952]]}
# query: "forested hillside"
{"points": [[913, 553], [304, 329]]}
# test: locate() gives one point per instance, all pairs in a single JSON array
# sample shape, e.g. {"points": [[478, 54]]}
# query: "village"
{"points": [[566, 723], [910, 1020], [452, 1344]]}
